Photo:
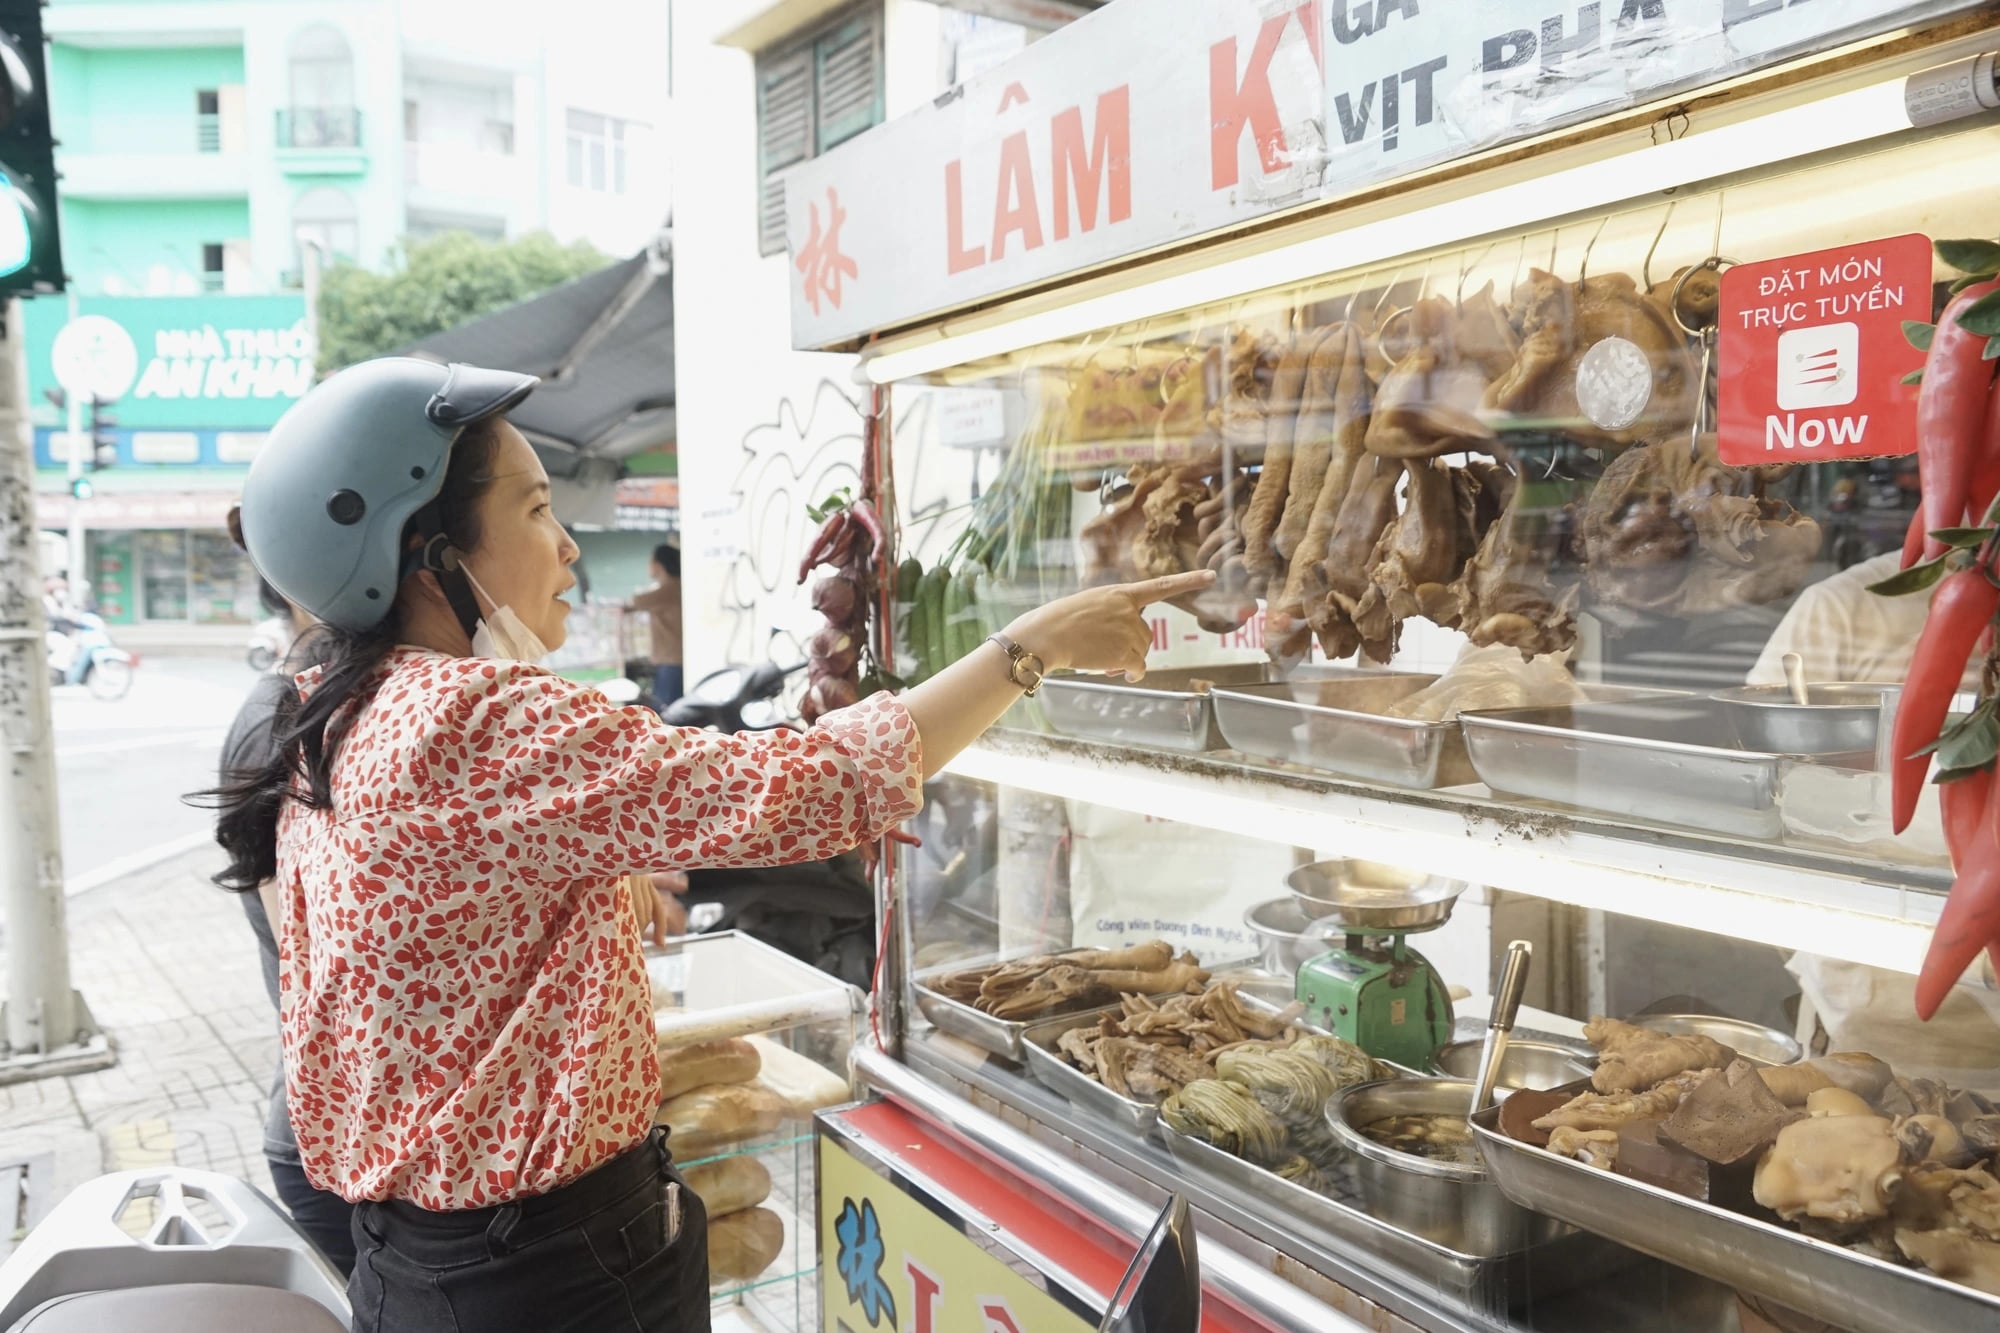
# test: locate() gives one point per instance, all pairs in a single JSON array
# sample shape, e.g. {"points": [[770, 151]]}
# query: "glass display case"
{"points": [[1507, 567], [752, 1045], [1547, 507]]}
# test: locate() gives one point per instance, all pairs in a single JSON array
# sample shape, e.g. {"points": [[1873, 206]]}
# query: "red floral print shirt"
{"points": [[466, 1014]]}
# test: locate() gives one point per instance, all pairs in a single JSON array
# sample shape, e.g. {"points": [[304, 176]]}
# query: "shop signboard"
{"points": [[174, 363], [139, 509], [890, 1263], [1813, 361], [1147, 124]]}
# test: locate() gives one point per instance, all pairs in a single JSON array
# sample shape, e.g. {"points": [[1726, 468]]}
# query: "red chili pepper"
{"points": [[1951, 412], [864, 514], [1960, 611], [1970, 921], [1964, 805], [1986, 473], [1913, 538], [824, 541]]}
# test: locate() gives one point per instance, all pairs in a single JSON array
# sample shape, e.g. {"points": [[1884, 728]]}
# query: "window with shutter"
{"points": [[849, 73], [812, 94], [784, 137]]}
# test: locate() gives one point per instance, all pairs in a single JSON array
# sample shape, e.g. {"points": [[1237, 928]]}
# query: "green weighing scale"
{"points": [[1375, 990]]}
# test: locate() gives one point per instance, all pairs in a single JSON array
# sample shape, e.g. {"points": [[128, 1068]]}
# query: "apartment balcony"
{"points": [[320, 141], [152, 157]]}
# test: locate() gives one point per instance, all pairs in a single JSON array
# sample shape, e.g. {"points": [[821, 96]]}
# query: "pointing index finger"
{"points": [[1173, 585]]}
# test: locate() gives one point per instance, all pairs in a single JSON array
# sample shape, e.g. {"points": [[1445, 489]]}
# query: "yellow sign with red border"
{"points": [[891, 1265]]}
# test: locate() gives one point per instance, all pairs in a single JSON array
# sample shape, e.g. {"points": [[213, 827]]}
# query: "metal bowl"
{"points": [[1535, 1065], [1836, 719], [1753, 1041], [1450, 1203], [1363, 896], [1287, 936]]}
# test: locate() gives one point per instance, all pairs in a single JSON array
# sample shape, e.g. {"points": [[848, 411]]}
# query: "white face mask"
{"points": [[500, 634]]}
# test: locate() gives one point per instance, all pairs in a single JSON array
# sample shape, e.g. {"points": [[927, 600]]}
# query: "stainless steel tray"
{"points": [[1333, 722], [1072, 1084], [996, 1035], [1341, 1214], [1848, 1290], [1167, 710], [1668, 759]]}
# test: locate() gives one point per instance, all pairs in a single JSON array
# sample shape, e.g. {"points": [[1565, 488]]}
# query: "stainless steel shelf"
{"points": [[1842, 905]]}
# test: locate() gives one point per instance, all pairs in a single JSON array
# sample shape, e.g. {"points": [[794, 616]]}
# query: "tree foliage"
{"points": [[442, 282]]}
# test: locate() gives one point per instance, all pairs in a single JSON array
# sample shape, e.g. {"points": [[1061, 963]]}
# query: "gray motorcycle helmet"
{"points": [[348, 466]]}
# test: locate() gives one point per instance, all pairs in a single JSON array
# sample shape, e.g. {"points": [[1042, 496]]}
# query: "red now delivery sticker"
{"points": [[1812, 356]]}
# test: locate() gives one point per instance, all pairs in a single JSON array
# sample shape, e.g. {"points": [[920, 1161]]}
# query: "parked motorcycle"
{"points": [[170, 1248], [80, 652], [270, 640]]}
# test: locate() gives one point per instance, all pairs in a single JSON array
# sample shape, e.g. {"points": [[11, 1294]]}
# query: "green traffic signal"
{"points": [[103, 439], [30, 237]]}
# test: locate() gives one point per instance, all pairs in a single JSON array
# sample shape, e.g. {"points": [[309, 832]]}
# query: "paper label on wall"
{"points": [[1134, 878], [1812, 356]]}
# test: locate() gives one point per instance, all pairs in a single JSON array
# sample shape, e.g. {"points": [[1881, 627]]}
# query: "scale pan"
{"points": [[1362, 896]]}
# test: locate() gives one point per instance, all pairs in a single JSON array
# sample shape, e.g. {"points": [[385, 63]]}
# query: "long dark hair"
{"points": [[307, 735]]}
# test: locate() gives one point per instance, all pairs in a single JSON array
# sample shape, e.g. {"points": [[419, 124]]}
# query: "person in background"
{"points": [[662, 603], [1844, 633], [250, 745]]}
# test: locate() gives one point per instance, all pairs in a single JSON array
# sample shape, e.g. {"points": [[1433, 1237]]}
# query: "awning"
{"points": [[604, 347]]}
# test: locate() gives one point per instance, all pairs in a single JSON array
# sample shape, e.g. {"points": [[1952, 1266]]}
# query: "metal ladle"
{"points": [[1795, 677], [1500, 1028]]}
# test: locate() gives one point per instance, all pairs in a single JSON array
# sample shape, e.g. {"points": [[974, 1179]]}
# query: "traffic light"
{"points": [[81, 489], [103, 433], [30, 237]]}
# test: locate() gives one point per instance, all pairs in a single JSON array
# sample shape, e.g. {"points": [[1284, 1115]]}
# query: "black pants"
{"points": [[325, 1217], [623, 1248]]}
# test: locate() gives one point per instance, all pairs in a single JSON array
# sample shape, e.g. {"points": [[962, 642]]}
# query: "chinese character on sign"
{"points": [[860, 1261], [820, 259]]}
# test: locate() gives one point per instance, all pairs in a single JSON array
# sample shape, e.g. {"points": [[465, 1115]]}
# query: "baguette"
{"points": [[730, 1185], [685, 1068], [742, 1245], [709, 1119], [805, 1085]]}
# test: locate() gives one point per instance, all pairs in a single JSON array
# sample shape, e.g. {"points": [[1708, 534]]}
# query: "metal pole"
{"points": [[311, 257], [79, 578], [42, 1010]]}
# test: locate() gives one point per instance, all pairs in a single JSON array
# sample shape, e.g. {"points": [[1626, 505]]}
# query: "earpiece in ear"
{"points": [[440, 556]]}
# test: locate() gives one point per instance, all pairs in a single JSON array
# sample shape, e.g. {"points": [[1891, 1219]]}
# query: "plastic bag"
{"points": [[1493, 677]]}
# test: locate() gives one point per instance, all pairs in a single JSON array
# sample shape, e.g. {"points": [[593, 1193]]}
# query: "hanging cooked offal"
{"points": [[1338, 406], [1600, 361], [1674, 531], [1428, 401], [1510, 593]]}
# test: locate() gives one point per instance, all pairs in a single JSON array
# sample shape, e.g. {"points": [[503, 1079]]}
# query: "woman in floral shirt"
{"points": [[467, 1022]]}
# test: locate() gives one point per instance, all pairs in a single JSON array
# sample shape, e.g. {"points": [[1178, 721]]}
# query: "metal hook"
{"points": [[1465, 271], [1555, 239], [1712, 264], [1583, 265], [1387, 288], [1646, 269]]}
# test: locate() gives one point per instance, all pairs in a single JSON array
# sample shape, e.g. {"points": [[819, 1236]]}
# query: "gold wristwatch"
{"points": [[1023, 667]]}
